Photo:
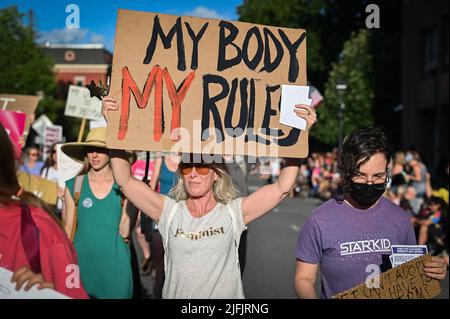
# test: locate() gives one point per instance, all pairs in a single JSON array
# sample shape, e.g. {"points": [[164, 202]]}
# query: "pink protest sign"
{"points": [[14, 124], [138, 169]]}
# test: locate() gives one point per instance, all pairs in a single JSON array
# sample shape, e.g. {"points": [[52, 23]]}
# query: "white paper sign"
{"points": [[404, 253], [99, 123], [290, 96], [80, 104], [53, 134], [8, 289], [40, 124], [39, 140], [67, 167]]}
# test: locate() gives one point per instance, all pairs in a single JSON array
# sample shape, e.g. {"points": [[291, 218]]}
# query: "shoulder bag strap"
{"points": [[78, 184]]}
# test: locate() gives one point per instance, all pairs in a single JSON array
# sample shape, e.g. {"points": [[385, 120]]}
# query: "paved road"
{"points": [[270, 265]]}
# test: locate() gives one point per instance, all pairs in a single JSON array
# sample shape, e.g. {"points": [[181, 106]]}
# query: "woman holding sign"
{"points": [[349, 235], [202, 224]]}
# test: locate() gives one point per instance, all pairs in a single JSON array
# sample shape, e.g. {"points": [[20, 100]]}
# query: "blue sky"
{"points": [[98, 17]]}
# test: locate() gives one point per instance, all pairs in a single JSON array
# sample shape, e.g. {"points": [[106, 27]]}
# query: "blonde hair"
{"points": [[223, 189], [399, 158]]}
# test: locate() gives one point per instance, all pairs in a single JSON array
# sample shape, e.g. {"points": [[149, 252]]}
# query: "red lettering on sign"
{"points": [[154, 78]]}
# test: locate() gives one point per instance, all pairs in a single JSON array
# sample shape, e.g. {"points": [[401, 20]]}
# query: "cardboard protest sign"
{"points": [[407, 281], [80, 104], [52, 134], [14, 124], [41, 187], [204, 86], [20, 103], [67, 167]]}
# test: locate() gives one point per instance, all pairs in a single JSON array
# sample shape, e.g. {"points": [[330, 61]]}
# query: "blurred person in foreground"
{"points": [[32, 243]]}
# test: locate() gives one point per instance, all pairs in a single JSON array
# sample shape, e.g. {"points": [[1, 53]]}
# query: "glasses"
{"points": [[378, 182], [201, 169], [33, 154]]}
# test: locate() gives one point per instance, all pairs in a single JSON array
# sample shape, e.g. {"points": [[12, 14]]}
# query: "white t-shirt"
{"points": [[202, 259], [52, 175]]}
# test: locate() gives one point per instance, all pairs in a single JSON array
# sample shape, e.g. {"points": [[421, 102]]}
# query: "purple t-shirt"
{"points": [[344, 240]]}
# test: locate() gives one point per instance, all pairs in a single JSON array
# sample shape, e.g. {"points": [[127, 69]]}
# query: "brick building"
{"points": [[78, 64]]}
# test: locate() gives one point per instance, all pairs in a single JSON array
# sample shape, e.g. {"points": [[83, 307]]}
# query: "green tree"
{"points": [[24, 68], [329, 24], [354, 68]]}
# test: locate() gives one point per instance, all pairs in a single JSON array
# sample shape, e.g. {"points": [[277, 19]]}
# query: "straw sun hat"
{"points": [[95, 138]]}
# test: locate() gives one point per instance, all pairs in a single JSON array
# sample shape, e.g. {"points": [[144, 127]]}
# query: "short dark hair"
{"points": [[358, 147], [437, 200]]}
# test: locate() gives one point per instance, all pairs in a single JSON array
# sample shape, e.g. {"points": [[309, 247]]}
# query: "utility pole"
{"points": [[341, 89]]}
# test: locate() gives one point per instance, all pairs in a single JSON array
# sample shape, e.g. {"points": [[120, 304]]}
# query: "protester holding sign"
{"points": [[202, 224], [33, 244], [96, 217], [348, 233], [213, 83]]}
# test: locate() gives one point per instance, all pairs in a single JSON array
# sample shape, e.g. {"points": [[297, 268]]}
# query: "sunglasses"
{"points": [[100, 150], [32, 154], [201, 169]]}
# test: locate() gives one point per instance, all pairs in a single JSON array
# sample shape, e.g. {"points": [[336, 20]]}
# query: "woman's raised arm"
{"points": [[137, 192]]}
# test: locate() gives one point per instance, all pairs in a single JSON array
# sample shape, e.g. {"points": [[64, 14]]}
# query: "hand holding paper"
{"points": [[8, 289], [292, 95]]}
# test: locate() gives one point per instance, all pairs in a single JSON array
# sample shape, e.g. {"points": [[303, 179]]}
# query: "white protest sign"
{"points": [[80, 104], [404, 253], [39, 140], [99, 123], [67, 167], [290, 96], [40, 124], [53, 134], [8, 289]]}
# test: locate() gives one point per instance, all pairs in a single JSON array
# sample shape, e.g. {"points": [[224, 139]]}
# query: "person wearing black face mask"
{"points": [[367, 194], [357, 229]]}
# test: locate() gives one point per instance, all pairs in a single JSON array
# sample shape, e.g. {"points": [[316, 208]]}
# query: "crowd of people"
{"points": [[189, 219]]}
